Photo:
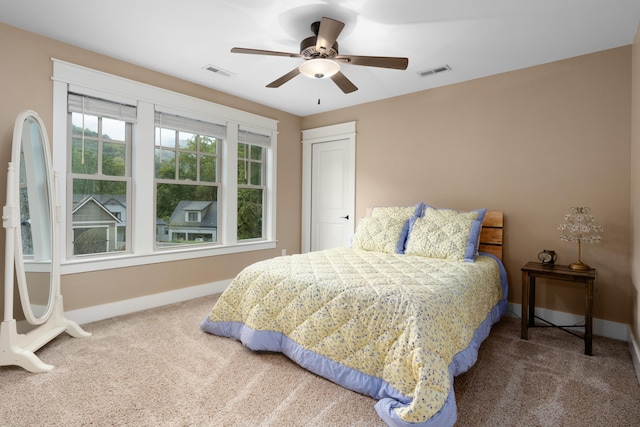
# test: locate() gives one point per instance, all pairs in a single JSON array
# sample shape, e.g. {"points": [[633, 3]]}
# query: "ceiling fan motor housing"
{"points": [[308, 49]]}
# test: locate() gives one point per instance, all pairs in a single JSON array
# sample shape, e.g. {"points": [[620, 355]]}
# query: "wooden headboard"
{"points": [[492, 233]]}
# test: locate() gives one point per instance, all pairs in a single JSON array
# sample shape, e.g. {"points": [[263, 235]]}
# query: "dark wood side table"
{"points": [[531, 271]]}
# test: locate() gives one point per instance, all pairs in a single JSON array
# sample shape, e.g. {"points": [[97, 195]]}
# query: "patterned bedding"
{"points": [[392, 326]]}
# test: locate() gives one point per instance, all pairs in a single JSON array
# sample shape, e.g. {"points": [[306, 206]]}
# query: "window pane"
{"points": [[207, 168], [187, 168], [99, 216], [207, 144], [256, 173], [188, 141], [242, 171], [256, 152], [177, 205], [250, 203], [113, 129], [165, 164], [243, 151], [90, 124], [113, 159], [84, 156], [90, 240], [167, 137]]}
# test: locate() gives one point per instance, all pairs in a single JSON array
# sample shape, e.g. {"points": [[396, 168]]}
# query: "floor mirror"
{"points": [[31, 259]]}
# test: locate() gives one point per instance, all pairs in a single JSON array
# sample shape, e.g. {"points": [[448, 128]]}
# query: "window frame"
{"points": [[180, 126], [148, 99], [198, 216], [249, 161], [126, 178]]}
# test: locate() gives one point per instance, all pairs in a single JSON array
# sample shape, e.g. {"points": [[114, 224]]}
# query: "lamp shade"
{"points": [[579, 226], [319, 68]]}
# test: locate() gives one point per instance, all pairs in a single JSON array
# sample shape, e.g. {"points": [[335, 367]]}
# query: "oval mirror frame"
{"points": [[31, 155]]}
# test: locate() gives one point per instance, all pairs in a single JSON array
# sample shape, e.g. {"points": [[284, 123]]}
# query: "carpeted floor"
{"points": [[157, 368], [548, 381]]}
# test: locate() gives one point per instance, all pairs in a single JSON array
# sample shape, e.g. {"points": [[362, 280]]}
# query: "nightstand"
{"points": [[530, 272]]}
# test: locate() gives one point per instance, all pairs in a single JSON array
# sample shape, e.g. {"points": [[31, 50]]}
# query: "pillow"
{"points": [[399, 213], [446, 233], [474, 214], [380, 234], [477, 228]]}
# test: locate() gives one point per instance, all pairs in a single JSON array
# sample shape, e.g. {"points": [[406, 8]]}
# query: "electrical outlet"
{"points": [[284, 252]]}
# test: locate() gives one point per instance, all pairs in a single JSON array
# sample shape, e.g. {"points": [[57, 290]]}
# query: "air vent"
{"points": [[217, 70], [432, 71]]}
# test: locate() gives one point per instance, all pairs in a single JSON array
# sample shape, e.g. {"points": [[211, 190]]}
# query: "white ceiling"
{"points": [[476, 38]]}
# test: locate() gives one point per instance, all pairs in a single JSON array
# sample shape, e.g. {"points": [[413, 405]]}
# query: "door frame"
{"points": [[343, 131]]}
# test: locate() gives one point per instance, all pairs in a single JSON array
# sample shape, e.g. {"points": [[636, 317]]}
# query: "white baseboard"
{"points": [[106, 311], [634, 349], [604, 328]]}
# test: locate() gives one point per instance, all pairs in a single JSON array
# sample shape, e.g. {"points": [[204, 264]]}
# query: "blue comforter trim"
{"points": [[323, 366]]}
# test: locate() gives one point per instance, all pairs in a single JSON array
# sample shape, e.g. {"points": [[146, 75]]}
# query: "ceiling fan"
{"points": [[322, 59]]}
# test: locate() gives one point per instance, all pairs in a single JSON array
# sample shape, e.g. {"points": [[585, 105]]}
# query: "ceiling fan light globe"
{"points": [[319, 68]]}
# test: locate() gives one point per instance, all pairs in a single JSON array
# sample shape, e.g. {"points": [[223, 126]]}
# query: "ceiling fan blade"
{"points": [[264, 52], [282, 80], [328, 34], [343, 83], [374, 61]]}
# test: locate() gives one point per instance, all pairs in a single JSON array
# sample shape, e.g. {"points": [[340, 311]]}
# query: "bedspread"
{"points": [[395, 327]]}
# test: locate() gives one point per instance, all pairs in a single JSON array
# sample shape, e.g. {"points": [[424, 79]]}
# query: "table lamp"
{"points": [[579, 226]]}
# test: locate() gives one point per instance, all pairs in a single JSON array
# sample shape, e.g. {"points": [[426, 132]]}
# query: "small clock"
{"points": [[547, 257]]}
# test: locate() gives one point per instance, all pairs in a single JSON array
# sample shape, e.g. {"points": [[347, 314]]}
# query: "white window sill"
{"points": [[82, 265]]}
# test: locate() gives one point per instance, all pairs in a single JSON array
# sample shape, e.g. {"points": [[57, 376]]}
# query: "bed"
{"points": [[396, 316]]}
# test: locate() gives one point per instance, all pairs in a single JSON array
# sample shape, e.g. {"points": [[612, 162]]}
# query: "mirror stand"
{"points": [[31, 247], [19, 349]]}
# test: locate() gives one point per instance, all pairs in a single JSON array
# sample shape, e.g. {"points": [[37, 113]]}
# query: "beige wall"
{"points": [[531, 143], [25, 83], [635, 188]]}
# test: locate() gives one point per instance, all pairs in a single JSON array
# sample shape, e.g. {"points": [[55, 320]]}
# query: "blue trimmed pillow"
{"points": [[446, 233], [473, 214], [380, 234], [399, 213]]}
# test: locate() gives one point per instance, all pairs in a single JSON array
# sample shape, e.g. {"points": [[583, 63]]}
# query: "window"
{"points": [[251, 184], [193, 216], [154, 175], [99, 174], [187, 182]]}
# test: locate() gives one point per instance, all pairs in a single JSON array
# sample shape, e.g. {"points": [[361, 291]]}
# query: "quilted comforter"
{"points": [[395, 327]]}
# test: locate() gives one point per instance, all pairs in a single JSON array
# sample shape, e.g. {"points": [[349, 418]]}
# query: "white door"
{"points": [[331, 198], [328, 187]]}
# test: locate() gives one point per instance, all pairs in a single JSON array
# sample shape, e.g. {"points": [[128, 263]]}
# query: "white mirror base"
{"points": [[18, 349]]}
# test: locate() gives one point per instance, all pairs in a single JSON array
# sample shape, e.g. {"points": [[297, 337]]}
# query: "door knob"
{"points": [[345, 217]]}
